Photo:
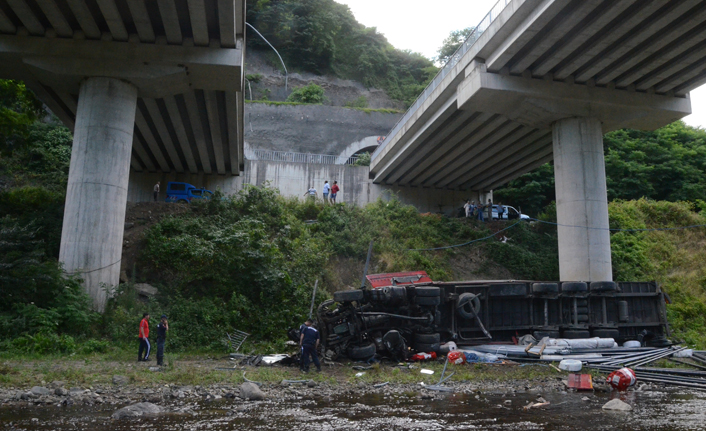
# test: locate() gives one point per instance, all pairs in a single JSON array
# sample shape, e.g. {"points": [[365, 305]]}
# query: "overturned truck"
{"points": [[403, 312]]}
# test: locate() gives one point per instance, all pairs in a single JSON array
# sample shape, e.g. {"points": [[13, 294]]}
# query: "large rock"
{"points": [[137, 410], [120, 380], [40, 390], [144, 289], [250, 391], [617, 405]]}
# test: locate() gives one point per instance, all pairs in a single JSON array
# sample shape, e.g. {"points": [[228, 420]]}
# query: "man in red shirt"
{"points": [[144, 341], [334, 191]]}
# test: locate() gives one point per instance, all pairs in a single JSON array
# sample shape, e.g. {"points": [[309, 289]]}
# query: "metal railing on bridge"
{"points": [[453, 60], [285, 156]]}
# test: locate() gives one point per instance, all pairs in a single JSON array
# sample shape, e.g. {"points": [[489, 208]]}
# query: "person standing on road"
{"points": [[327, 188], [501, 210], [156, 191], [490, 210], [334, 192], [309, 342], [162, 329], [467, 207], [144, 341], [312, 193], [481, 210]]}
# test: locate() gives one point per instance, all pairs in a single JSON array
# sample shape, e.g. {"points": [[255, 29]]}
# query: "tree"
{"points": [[311, 93], [452, 43], [18, 111]]}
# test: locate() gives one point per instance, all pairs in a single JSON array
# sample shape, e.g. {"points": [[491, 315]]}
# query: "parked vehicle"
{"points": [[406, 310], [509, 213], [185, 192]]}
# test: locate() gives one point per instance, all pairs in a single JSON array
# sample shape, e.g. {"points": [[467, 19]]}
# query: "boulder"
{"points": [[144, 289], [250, 391], [617, 405], [39, 391], [137, 410], [61, 392], [120, 380]]}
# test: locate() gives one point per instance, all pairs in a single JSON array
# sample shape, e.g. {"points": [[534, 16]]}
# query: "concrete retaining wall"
{"points": [[293, 180]]}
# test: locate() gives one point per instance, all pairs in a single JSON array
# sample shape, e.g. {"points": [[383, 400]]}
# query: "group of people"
{"points": [[330, 192], [481, 211], [143, 354]]}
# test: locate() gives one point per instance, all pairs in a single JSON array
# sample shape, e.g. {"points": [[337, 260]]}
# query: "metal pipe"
{"points": [[546, 312], [647, 361], [576, 312], [397, 316], [313, 298], [604, 310], [367, 264]]}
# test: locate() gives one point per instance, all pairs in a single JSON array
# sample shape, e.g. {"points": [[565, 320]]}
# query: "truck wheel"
{"points": [[434, 338], [545, 288], [348, 295], [574, 286], [365, 351], [428, 291], [606, 333], [582, 318], [468, 305], [581, 310], [427, 347], [574, 334], [428, 300], [604, 286]]}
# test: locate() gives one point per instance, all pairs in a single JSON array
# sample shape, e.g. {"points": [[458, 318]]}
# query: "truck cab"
{"points": [[185, 192]]}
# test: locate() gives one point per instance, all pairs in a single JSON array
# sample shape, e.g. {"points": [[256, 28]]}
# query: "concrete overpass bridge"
{"points": [[543, 80], [147, 86]]}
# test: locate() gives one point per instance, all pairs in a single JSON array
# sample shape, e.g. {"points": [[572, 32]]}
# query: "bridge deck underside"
{"points": [[648, 46], [187, 131]]}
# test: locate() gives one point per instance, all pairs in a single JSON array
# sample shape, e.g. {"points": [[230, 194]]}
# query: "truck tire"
{"points": [[574, 334], [581, 310], [427, 291], [364, 351], [427, 347], [468, 305], [574, 286], [433, 338], [348, 295], [582, 318], [604, 286], [428, 300], [545, 288], [606, 333]]}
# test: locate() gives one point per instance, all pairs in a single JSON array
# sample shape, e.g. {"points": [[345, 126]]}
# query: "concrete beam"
{"points": [[646, 50], [227, 10], [155, 69], [232, 117], [197, 129], [671, 68], [56, 18], [141, 19], [85, 18], [199, 24], [96, 196], [114, 20], [180, 132], [158, 120], [170, 20], [539, 103], [211, 101], [634, 38], [613, 29], [26, 15]]}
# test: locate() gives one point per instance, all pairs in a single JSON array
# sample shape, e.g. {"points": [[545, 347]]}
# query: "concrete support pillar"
{"points": [[581, 200], [96, 196]]}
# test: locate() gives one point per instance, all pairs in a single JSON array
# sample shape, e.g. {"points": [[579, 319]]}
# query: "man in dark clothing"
{"points": [[309, 342], [144, 340], [162, 329]]}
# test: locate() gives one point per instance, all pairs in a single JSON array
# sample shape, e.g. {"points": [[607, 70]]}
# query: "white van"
{"points": [[509, 213]]}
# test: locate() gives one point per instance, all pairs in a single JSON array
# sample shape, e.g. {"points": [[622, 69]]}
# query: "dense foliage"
{"points": [[452, 43], [323, 37], [667, 164], [311, 93]]}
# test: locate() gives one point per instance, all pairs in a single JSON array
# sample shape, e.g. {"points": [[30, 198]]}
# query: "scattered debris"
{"points": [[250, 381], [580, 382], [570, 365], [536, 405], [622, 379], [359, 374], [425, 371]]}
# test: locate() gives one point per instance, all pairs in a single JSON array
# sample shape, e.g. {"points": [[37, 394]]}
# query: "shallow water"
{"points": [[653, 410]]}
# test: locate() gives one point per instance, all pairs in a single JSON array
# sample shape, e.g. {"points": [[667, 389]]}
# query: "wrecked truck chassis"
{"points": [[428, 314]]}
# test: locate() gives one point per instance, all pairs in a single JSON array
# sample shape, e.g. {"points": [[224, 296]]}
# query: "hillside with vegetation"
{"points": [[250, 261]]}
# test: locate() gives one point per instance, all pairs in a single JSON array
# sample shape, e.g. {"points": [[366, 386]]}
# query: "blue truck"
{"points": [[185, 192]]}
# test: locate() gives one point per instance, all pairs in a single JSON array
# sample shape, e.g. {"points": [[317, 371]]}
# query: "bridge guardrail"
{"points": [[465, 46], [286, 156]]}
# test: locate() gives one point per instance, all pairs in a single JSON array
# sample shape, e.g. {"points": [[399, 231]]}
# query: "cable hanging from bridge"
{"points": [[286, 74]]}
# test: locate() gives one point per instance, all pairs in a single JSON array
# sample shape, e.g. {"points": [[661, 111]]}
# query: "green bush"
{"points": [[361, 102], [311, 93]]}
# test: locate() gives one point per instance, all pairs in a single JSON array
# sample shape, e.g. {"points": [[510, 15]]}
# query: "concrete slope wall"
{"points": [[293, 180], [315, 129]]}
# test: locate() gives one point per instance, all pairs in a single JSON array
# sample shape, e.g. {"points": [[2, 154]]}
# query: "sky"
{"points": [[422, 26]]}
